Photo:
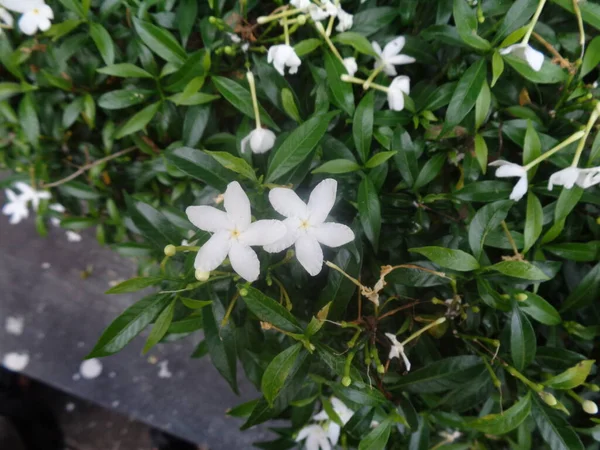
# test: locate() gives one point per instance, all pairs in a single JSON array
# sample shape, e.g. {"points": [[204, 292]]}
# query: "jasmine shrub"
{"points": [[307, 187]]}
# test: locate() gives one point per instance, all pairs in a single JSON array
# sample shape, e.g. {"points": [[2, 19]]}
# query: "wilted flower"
{"points": [[506, 170], [234, 234], [399, 86], [350, 65], [261, 140], [306, 226], [526, 52], [283, 55], [397, 350], [572, 176], [390, 55]]}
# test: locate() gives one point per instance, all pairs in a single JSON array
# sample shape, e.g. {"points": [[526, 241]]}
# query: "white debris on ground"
{"points": [[45, 265], [14, 325], [115, 403], [90, 369], [15, 361], [70, 407], [72, 236], [164, 370]]}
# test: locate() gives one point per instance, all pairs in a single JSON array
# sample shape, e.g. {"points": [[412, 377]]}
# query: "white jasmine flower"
{"points": [[32, 195], [72, 236], [6, 18], [283, 55], [319, 13], [526, 52], [306, 226], [343, 412], [399, 86], [506, 170], [234, 234], [345, 20], [234, 38], [450, 436], [261, 140], [397, 350], [300, 4], [390, 56], [16, 207], [350, 65], [316, 436], [572, 176], [36, 18]]}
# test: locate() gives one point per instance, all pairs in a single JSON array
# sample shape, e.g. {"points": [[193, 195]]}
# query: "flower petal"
{"points": [[263, 232], [565, 177], [287, 203], [208, 218], [309, 254], [400, 60], [508, 169], [213, 252], [22, 6], [292, 225], [321, 200], [534, 58], [519, 190], [244, 261], [237, 205], [333, 433], [393, 47], [332, 234], [376, 47], [28, 23]]}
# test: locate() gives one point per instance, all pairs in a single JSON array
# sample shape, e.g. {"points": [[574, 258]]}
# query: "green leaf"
{"points": [[28, 119], [522, 340], [442, 375], [268, 310], [289, 104], [138, 121], [337, 166], [194, 304], [481, 152], [449, 258], [466, 25], [7, 90], [372, 20], [572, 377], [430, 170], [277, 372], [197, 98], [103, 41], [518, 15], [123, 98], [187, 12], [341, 92], [194, 124], [379, 158], [466, 93], [549, 73], [555, 430], [532, 147], [196, 65], [497, 67], [240, 98], [128, 325], [237, 165], [153, 225], [369, 210], [419, 438], [298, 145], [62, 29], [360, 43], [520, 269], [499, 424], [125, 70], [307, 46], [406, 158], [134, 284], [75, 6], [482, 105], [539, 309], [362, 126], [377, 437], [160, 41], [534, 221], [567, 200], [199, 165], [590, 12], [485, 220], [576, 251], [79, 190], [585, 292], [160, 327], [591, 59]]}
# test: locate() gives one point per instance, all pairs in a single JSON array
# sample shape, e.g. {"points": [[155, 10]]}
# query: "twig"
{"points": [[563, 62], [86, 167]]}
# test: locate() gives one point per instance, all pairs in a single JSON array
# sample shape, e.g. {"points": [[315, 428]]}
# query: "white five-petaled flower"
{"points": [[6, 18], [572, 176], [261, 140], [506, 170], [317, 437], [526, 52], [345, 20], [397, 350], [390, 56], [234, 234], [36, 14], [284, 55], [350, 65], [399, 86], [300, 4], [343, 412], [32, 195], [16, 207], [306, 226]]}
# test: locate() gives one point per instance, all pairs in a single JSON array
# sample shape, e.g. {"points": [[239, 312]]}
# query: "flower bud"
{"points": [[380, 368], [243, 292], [505, 297], [346, 381], [475, 309], [593, 387], [590, 407], [212, 20], [521, 297], [201, 275], [170, 250], [548, 398], [301, 19], [229, 50]]}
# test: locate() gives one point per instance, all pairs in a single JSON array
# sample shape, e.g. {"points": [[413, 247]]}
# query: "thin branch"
{"points": [[563, 62]]}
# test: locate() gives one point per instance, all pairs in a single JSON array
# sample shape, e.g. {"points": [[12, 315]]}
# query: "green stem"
{"points": [[252, 84], [518, 375], [536, 16], [588, 129], [330, 26], [374, 73], [348, 79], [577, 12], [229, 310], [187, 248], [423, 330], [576, 397], [510, 238], [323, 33], [574, 137], [290, 12], [286, 31]]}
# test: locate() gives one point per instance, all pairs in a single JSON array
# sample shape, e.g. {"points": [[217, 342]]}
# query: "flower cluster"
{"points": [[325, 434], [234, 233], [35, 15]]}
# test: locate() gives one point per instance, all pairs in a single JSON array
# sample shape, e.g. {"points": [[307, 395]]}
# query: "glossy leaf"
{"points": [[160, 327], [199, 165], [377, 438], [278, 371], [134, 284], [554, 428], [341, 91], [508, 420], [153, 225], [337, 166], [449, 258], [125, 70], [520, 269], [234, 163], [572, 377], [466, 94], [160, 41], [533, 221], [522, 340], [485, 220], [362, 127], [585, 292], [268, 310], [103, 42], [369, 210], [138, 121], [539, 309]]}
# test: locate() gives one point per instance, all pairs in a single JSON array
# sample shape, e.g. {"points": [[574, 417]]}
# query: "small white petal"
{"points": [[333, 433], [237, 205], [588, 177], [208, 218], [28, 23], [6, 18], [309, 254], [566, 177], [21, 6], [394, 47], [245, 142], [519, 190], [399, 60], [321, 201], [244, 261], [213, 252], [44, 24], [508, 169], [287, 203], [377, 48], [534, 58], [262, 140], [292, 225], [263, 232], [345, 21], [332, 234], [350, 65]]}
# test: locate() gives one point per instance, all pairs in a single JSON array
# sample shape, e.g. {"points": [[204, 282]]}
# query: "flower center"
{"points": [[305, 224], [36, 11], [235, 234]]}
